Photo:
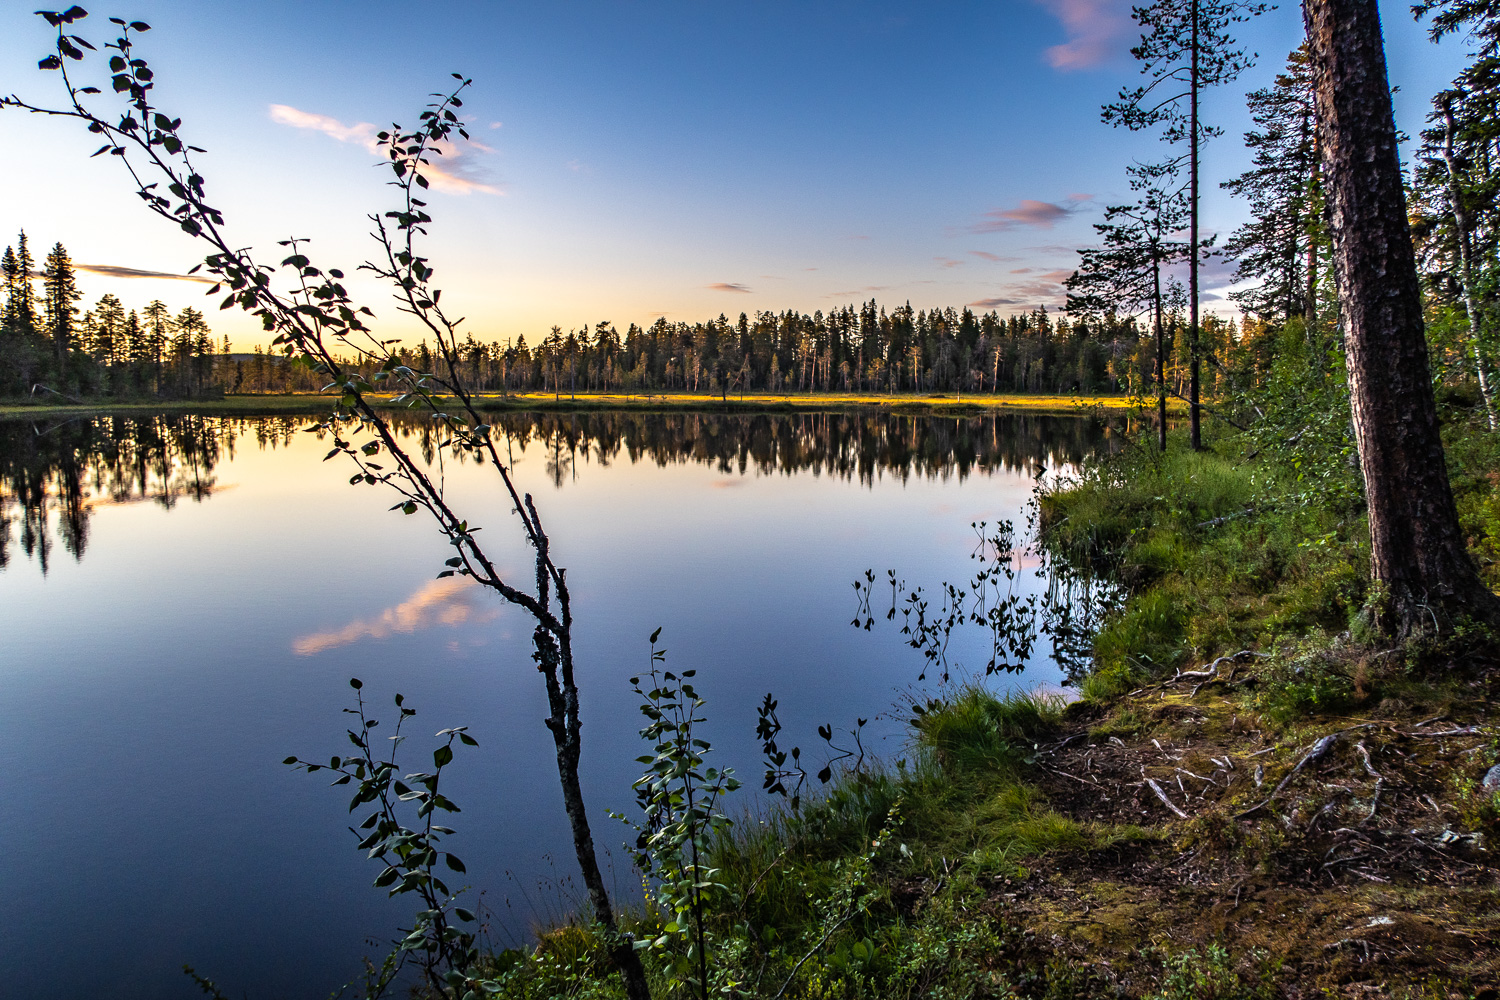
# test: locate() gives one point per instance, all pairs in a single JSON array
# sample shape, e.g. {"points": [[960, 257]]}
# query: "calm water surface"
{"points": [[185, 599]]}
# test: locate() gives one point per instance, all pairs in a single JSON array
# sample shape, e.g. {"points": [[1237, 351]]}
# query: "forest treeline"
{"points": [[109, 351], [1125, 292], [49, 344], [53, 473]]}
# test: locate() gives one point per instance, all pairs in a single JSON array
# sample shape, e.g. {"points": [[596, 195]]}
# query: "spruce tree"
{"points": [[60, 304]]}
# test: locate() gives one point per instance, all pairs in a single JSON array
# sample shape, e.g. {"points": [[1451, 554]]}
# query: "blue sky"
{"points": [[639, 158]]}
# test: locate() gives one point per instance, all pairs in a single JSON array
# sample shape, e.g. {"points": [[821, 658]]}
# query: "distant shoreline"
{"points": [[912, 404]]}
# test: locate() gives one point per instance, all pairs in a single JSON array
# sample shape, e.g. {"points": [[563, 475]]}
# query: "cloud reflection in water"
{"points": [[452, 601]]}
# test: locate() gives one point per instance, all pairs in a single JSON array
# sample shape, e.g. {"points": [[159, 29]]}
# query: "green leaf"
{"points": [[442, 756], [454, 863]]}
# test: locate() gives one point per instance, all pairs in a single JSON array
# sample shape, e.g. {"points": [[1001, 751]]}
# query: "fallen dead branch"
{"points": [[1318, 752], [1379, 781], [1163, 796]]}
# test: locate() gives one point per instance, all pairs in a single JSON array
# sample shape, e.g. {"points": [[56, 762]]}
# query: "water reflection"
{"points": [[53, 472], [454, 600]]}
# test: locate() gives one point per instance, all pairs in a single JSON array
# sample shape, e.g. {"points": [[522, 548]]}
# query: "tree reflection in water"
{"points": [[53, 472]]}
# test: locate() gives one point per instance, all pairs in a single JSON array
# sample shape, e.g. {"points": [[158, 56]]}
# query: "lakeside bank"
{"points": [[912, 404]]}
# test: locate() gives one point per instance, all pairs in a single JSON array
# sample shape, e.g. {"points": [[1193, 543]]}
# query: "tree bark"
{"points": [[1418, 557]]}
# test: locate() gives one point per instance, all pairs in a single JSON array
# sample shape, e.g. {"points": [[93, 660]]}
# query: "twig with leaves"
{"points": [[313, 316]]}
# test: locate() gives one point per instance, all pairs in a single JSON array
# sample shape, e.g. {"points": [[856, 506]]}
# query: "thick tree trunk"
{"points": [[1417, 552]]}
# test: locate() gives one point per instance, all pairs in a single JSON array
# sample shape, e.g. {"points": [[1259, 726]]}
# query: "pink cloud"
{"points": [[1036, 289], [995, 257], [1097, 31], [729, 286], [1030, 212], [448, 171]]}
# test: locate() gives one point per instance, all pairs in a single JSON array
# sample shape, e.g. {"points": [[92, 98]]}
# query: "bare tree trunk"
{"points": [[1465, 257], [1310, 306], [1194, 417], [1417, 552], [1161, 363], [555, 663]]}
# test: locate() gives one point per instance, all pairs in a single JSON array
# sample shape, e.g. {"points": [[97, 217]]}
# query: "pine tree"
{"points": [[157, 335], [1185, 48], [1125, 273], [1418, 556], [20, 294], [1278, 248]]}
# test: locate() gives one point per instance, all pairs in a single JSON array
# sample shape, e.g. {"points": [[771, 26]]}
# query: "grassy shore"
{"points": [[915, 404]]}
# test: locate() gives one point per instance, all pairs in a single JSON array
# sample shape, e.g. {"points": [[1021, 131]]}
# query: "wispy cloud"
{"points": [[116, 271], [1097, 31], [1028, 212], [361, 133], [449, 171], [948, 262], [994, 257], [1036, 289], [729, 286], [452, 601], [857, 291]]}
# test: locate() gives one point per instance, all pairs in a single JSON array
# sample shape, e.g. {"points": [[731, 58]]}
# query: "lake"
{"points": [[186, 598]]}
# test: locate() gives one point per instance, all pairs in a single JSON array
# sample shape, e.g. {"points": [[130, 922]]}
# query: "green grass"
{"points": [[974, 730], [1219, 550]]}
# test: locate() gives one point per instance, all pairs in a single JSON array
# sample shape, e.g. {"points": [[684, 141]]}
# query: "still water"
{"points": [[185, 598]]}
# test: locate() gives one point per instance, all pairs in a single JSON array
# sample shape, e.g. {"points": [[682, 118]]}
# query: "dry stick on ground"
{"points": [[1318, 752], [1163, 796], [1379, 781]]}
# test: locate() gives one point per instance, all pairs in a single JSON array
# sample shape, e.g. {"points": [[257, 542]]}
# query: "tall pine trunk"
{"points": [[1465, 255], [1161, 360], [1195, 419], [1417, 552]]}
